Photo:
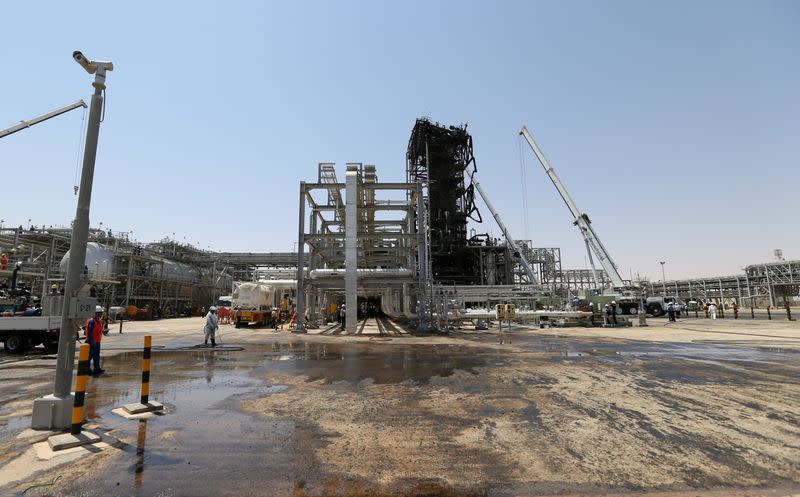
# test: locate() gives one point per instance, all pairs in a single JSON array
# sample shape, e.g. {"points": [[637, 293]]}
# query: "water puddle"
{"points": [[204, 445]]}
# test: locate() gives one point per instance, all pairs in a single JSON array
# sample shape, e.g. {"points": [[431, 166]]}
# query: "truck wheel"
{"points": [[655, 310], [51, 347], [15, 344], [633, 311]]}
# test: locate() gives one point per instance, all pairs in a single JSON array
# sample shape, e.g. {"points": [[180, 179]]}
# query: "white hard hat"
{"points": [[212, 308], [99, 308]]}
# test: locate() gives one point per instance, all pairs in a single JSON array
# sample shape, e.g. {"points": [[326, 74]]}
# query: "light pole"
{"points": [[663, 278], [54, 411]]}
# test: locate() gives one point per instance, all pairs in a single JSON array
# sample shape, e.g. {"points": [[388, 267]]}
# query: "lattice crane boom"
{"points": [[582, 221]]}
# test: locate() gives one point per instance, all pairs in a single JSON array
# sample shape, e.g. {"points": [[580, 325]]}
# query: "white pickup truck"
{"points": [[23, 332]]}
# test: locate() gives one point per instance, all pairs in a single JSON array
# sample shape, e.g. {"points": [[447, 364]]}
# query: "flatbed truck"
{"points": [[20, 333]]}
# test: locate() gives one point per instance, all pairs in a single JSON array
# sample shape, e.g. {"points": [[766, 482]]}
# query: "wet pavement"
{"points": [[474, 414]]}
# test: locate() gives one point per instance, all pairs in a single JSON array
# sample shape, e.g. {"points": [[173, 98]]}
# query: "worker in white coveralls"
{"points": [[212, 325]]}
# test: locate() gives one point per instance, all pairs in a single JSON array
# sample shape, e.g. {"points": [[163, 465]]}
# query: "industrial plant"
{"points": [[412, 251], [411, 344]]}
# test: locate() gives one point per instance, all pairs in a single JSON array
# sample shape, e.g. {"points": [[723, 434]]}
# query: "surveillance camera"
{"points": [[84, 62]]}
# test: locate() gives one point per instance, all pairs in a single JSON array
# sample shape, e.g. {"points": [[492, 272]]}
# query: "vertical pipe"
{"points": [[422, 260], [351, 249], [16, 244], [80, 389], [161, 287], [129, 282], [749, 289], [769, 286], [50, 258], [300, 300], [738, 291], [148, 340]]}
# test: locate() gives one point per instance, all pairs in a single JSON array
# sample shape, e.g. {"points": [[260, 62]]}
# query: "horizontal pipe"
{"points": [[316, 274]]}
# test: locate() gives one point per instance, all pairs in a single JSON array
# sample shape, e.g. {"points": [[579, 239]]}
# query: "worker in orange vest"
{"points": [[94, 334], [3, 262]]}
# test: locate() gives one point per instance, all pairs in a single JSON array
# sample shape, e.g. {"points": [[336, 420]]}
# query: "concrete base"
{"points": [[139, 408], [67, 440], [52, 413], [119, 411]]}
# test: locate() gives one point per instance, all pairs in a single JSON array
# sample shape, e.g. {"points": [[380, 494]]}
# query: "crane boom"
{"points": [[581, 220], [517, 252], [44, 117]]}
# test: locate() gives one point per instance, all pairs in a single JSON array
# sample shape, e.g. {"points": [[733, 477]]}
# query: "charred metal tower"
{"points": [[441, 158]]}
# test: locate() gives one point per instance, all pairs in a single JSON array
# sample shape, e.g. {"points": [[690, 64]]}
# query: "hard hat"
{"points": [[98, 309], [53, 286], [212, 308], [613, 301]]}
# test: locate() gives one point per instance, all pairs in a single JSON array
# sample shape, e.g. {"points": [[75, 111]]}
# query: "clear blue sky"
{"points": [[674, 124]]}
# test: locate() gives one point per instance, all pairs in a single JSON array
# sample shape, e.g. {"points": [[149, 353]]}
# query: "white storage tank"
{"points": [[99, 261], [173, 271]]}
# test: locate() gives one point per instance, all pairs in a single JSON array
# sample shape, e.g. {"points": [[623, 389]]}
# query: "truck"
{"points": [[19, 333], [627, 301], [225, 301], [253, 303], [657, 306], [40, 325]]}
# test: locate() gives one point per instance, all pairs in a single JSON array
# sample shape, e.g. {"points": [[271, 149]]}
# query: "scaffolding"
{"points": [[761, 284], [164, 278], [374, 242]]}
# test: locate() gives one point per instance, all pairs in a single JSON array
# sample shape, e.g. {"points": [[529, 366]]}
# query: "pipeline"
{"points": [[387, 304], [318, 274], [407, 304]]}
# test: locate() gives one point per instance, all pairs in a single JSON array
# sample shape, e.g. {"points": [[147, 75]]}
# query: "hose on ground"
{"points": [[53, 482]]}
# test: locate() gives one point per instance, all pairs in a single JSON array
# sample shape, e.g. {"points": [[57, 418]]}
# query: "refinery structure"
{"points": [[417, 251]]}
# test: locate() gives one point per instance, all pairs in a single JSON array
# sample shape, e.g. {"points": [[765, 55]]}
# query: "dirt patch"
{"points": [[588, 423]]}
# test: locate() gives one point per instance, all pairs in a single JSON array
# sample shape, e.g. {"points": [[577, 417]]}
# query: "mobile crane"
{"points": [[628, 301], [44, 117]]}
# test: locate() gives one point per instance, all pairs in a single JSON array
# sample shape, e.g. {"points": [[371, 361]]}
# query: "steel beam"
{"points": [[351, 249]]}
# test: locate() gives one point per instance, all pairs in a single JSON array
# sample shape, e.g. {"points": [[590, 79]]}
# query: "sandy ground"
{"points": [[689, 408]]}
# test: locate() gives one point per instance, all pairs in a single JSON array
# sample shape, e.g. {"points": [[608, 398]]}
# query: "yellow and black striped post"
{"points": [[148, 340], [80, 389]]}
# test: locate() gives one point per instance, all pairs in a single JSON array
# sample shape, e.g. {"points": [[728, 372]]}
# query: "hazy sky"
{"points": [[674, 125]]}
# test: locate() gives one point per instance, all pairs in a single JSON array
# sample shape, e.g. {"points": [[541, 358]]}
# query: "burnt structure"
{"points": [[439, 156]]}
